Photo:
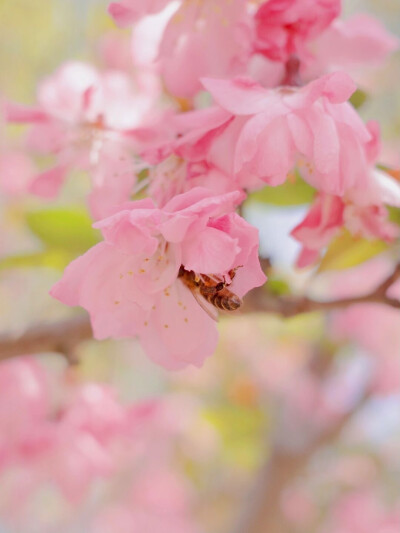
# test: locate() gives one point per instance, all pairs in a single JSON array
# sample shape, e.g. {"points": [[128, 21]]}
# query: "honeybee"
{"points": [[212, 289]]}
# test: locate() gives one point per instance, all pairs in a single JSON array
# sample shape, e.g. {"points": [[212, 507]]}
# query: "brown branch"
{"points": [[262, 510], [61, 337], [262, 301]]}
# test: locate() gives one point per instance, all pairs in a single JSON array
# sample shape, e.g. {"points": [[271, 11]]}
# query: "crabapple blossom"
{"points": [[266, 133], [284, 27], [76, 437], [200, 39], [349, 45], [129, 283], [362, 210], [317, 40], [330, 214], [174, 176], [80, 120]]}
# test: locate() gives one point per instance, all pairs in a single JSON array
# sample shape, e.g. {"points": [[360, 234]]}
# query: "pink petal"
{"points": [[211, 251], [20, 113], [48, 184], [178, 332], [239, 96]]}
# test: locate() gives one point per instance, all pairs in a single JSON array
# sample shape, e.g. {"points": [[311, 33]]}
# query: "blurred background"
{"points": [[302, 414]]}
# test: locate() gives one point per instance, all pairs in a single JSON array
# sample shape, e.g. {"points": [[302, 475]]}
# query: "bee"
{"points": [[211, 289]]}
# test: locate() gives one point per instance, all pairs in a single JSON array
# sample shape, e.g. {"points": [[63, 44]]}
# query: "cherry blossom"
{"points": [[130, 282]]}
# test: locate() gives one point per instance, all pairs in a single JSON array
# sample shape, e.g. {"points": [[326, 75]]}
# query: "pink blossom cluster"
{"points": [[277, 75], [80, 440]]}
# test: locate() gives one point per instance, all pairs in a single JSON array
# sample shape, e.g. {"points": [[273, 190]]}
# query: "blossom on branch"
{"points": [[131, 283]]}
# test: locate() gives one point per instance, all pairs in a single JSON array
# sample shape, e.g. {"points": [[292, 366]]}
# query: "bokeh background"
{"points": [[318, 394]]}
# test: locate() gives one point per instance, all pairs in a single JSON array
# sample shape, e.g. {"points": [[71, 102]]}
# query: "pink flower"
{"points": [[174, 176], [360, 41], [268, 132], [130, 283], [374, 328], [361, 211], [363, 512], [330, 214], [81, 119], [284, 27], [126, 12], [24, 402], [322, 222], [199, 40]]}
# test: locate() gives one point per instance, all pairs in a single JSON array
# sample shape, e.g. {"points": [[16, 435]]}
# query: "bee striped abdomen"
{"points": [[211, 288], [224, 300]]}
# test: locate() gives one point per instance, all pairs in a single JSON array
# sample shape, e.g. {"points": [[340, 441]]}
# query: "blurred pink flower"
{"points": [[198, 40], [69, 437], [358, 42], [362, 512], [81, 120]]}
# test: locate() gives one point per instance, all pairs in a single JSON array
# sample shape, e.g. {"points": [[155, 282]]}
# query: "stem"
{"points": [[292, 72], [261, 301]]}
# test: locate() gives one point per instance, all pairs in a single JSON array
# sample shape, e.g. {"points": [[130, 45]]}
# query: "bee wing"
{"points": [[208, 308]]}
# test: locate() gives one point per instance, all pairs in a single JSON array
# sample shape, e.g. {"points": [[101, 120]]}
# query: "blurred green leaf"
{"points": [[57, 259], [240, 428], [358, 98], [277, 286], [295, 191], [394, 214], [347, 251], [66, 228]]}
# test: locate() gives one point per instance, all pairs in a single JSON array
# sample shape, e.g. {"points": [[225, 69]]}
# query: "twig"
{"points": [[262, 301], [61, 337]]}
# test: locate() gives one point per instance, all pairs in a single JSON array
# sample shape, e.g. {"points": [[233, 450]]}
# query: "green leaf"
{"points": [[358, 98], [277, 286], [295, 191], [394, 214], [240, 429], [66, 228], [347, 251], [57, 259]]}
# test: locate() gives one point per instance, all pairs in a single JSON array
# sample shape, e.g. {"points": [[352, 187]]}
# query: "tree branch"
{"points": [[262, 301], [63, 337], [262, 510]]}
